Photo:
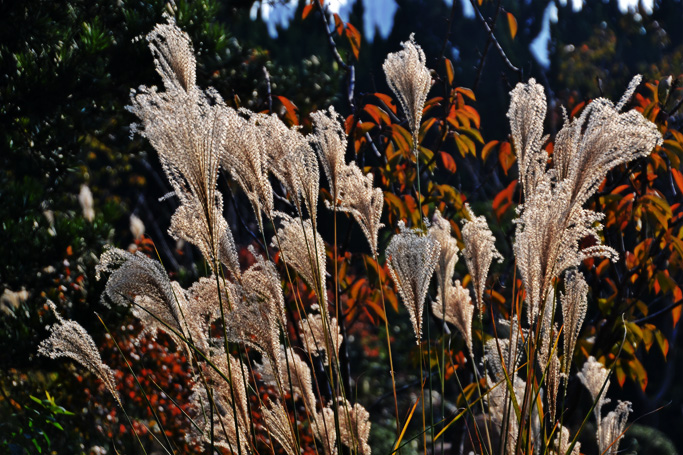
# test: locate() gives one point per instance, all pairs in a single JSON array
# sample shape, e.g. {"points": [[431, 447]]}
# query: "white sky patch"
{"points": [[379, 14], [539, 46]]}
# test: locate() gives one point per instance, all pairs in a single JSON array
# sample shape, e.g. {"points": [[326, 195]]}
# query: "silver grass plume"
{"points": [[459, 310], [69, 339], [499, 401], [159, 303], [292, 161], [300, 375], [600, 139], [358, 197], [409, 78], [440, 230], [574, 306], [231, 413], [329, 140], [479, 252], [562, 443], [263, 280], [188, 128], [354, 427], [294, 376], [205, 301], [277, 423], [553, 222], [303, 249], [548, 242], [593, 375], [253, 321], [173, 56], [553, 367], [511, 349], [547, 327], [611, 429], [412, 258], [325, 431], [313, 334], [526, 113], [244, 157]]}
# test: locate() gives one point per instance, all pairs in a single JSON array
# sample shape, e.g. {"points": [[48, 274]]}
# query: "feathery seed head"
{"points": [[358, 197], [574, 307], [409, 78], [303, 249], [329, 140], [314, 336], [593, 375], [611, 428], [479, 252], [277, 422], [244, 157], [412, 258], [69, 339], [354, 427], [458, 310], [440, 230]]}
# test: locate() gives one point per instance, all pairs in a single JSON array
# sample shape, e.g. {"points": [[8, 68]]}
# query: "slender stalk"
{"points": [[391, 362], [149, 404]]}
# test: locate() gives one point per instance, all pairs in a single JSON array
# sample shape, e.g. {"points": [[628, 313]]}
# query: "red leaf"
{"points": [[448, 162], [307, 10], [503, 200], [387, 100], [678, 177], [377, 114], [505, 156], [353, 35], [290, 110], [487, 149], [450, 74], [512, 23], [467, 92], [338, 24]]}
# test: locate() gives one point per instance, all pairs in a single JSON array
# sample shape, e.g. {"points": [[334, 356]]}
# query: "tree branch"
{"points": [[492, 40]]}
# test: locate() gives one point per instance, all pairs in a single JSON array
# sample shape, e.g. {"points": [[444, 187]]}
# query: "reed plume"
{"points": [[243, 155], [574, 307], [459, 310], [325, 431], [159, 303], [313, 334], [412, 258], [358, 197], [329, 140], [440, 230], [611, 428], [479, 252], [188, 128], [277, 422], [227, 425], [69, 339], [410, 80], [593, 375], [354, 427], [303, 249], [292, 161], [563, 442], [553, 222]]}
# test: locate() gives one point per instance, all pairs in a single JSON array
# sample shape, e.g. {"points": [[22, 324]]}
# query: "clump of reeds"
{"points": [[227, 319]]}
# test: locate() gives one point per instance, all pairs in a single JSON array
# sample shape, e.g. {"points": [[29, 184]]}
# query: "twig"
{"points": [[270, 95], [494, 41], [350, 69], [448, 31]]}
